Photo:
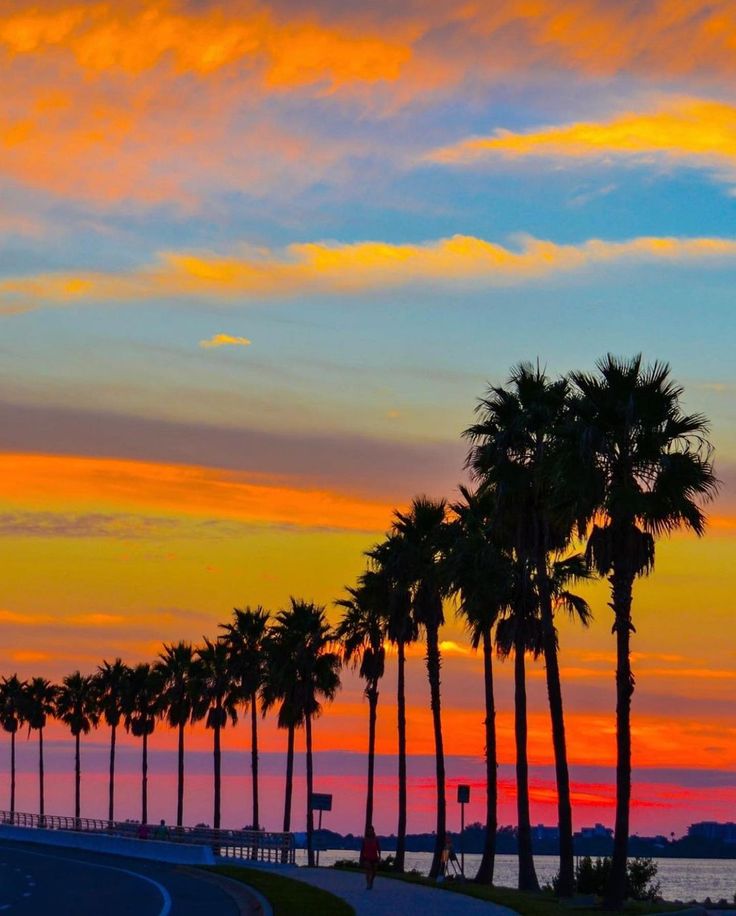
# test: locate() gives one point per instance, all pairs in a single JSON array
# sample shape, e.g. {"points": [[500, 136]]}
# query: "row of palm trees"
{"points": [[602, 463], [256, 663]]}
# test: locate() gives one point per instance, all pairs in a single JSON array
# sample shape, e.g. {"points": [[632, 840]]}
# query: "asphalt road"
{"points": [[45, 881]]}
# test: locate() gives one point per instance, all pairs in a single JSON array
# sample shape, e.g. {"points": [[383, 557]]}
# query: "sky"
{"points": [[257, 263]]}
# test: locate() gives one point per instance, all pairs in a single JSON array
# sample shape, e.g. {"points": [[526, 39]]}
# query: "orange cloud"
{"points": [[334, 268], [49, 481], [693, 131], [224, 340]]}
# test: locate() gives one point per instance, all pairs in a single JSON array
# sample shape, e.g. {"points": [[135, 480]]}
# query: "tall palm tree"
{"points": [[180, 698], [644, 469], [76, 707], [423, 534], [110, 683], [38, 704], [221, 697], [141, 705], [393, 579], [514, 449], [520, 632], [361, 636], [315, 677], [11, 718], [245, 638], [479, 573]]}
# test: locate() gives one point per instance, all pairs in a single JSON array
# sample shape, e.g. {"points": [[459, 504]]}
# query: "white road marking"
{"points": [[166, 897]]}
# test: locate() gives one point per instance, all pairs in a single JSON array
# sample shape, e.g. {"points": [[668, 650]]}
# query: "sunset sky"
{"points": [[257, 263]]}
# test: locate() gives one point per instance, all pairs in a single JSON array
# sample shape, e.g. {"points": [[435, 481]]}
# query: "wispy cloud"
{"points": [[224, 340], [333, 268], [695, 132]]}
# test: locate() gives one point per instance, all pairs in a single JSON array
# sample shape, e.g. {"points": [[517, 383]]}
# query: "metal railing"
{"points": [[256, 845]]}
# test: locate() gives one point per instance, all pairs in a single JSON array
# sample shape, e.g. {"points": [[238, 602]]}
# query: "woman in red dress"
{"points": [[370, 854]]}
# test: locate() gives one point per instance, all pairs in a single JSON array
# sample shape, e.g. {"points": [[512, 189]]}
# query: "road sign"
{"points": [[463, 795], [321, 802]]}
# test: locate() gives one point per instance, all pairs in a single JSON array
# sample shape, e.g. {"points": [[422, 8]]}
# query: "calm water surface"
{"points": [[681, 879]]}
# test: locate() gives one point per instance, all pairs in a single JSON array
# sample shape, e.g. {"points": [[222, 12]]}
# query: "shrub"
{"points": [[591, 877]]}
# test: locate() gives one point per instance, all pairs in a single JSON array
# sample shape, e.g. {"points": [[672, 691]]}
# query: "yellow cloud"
{"points": [[331, 268], [694, 131], [224, 340]]}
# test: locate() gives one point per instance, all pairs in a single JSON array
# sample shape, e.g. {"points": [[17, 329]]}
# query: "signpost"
{"points": [[463, 797], [320, 801]]}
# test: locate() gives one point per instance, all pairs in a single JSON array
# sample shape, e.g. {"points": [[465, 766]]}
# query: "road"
{"points": [[40, 881]]}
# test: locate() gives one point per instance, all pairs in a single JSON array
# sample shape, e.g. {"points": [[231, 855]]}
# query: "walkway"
{"points": [[391, 896]]}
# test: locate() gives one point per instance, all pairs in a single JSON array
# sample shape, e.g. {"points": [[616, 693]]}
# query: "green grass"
{"points": [[287, 896], [527, 904]]}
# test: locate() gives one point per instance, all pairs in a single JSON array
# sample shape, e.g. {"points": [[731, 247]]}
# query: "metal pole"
{"points": [[462, 839], [320, 830]]}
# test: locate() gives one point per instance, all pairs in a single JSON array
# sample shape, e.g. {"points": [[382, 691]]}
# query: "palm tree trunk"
{"points": [[144, 778], [562, 773], [217, 772], [12, 775], [254, 756], [372, 693], [401, 725], [434, 663], [77, 776], [41, 806], [180, 778], [488, 860], [289, 786], [111, 789], [621, 587], [310, 785], [527, 873]]}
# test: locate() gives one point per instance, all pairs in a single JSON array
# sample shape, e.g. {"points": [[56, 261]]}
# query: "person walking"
{"points": [[370, 855]]}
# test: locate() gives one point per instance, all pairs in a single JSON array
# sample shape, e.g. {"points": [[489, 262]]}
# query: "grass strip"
{"points": [[287, 896]]}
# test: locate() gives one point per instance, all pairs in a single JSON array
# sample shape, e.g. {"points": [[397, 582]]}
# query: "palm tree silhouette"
{"points": [[514, 446], [520, 632], [643, 468], [479, 572], [110, 683], [76, 707], [393, 578], [38, 704], [245, 638], [11, 718], [220, 699], [180, 698], [423, 534], [361, 635], [141, 705]]}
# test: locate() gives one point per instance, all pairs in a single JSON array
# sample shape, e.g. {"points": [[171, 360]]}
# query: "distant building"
{"points": [[540, 832], [713, 830], [597, 832]]}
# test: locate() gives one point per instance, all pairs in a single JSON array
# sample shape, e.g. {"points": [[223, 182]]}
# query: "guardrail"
{"points": [[256, 845]]}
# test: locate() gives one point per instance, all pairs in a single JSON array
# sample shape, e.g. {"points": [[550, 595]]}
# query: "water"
{"points": [[681, 879]]}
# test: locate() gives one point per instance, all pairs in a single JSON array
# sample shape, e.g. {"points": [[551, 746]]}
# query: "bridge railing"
{"points": [[256, 845]]}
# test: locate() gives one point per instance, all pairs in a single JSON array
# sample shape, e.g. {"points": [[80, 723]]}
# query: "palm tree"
{"points": [[38, 703], [520, 632], [479, 572], [76, 707], [110, 683], [11, 718], [315, 677], [141, 705], [392, 578], [361, 635], [514, 447], [180, 697], [423, 534], [644, 469], [245, 638], [220, 699]]}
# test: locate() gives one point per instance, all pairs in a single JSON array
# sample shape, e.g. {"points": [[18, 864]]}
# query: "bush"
{"points": [[591, 877]]}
